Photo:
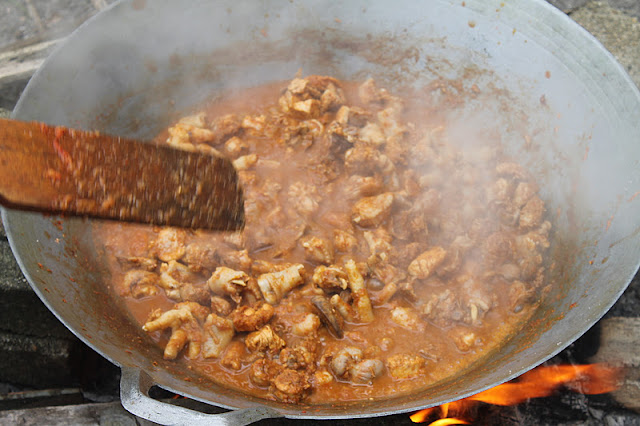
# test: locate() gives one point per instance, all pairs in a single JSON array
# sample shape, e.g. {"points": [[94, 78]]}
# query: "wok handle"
{"points": [[134, 395]]}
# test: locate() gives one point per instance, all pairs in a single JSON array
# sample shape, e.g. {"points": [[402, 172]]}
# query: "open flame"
{"points": [[588, 379]]}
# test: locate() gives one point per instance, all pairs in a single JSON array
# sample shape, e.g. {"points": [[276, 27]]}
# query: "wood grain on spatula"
{"points": [[60, 170]]}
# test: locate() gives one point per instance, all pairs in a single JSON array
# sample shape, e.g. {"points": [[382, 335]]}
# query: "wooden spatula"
{"points": [[61, 170]]}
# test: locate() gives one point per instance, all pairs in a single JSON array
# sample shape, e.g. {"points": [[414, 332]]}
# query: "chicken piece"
{"points": [[291, 386], [357, 186], [137, 262], [498, 248], [264, 340], [523, 193], [170, 244], [385, 294], [263, 266], [332, 98], [379, 242], [372, 133], [352, 116], [532, 213], [365, 159], [195, 293], [477, 299], [201, 256], [330, 278], [425, 264], [173, 276], [322, 377], [343, 308], [188, 131], [344, 359], [344, 241], [371, 95], [228, 282], [220, 306], [512, 170], [184, 321], [236, 147], [500, 190], [251, 318], [443, 309], [139, 283], [234, 239], [372, 211], [406, 366], [365, 371], [233, 356], [237, 259], [254, 124], [275, 285], [317, 250], [308, 325], [225, 126], [263, 371], [408, 318], [304, 198], [361, 302], [519, 295], [297, 358], [219, 333], [245, 162], [530, 247], [464, 339]]}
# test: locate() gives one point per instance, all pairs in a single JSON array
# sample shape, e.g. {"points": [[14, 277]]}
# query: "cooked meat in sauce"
{"points": [[378, 257]]}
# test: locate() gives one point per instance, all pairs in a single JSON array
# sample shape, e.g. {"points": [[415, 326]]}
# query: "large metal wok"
{"points": [[567, 109]]}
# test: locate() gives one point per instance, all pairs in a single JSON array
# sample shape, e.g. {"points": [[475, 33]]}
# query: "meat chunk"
{"points": [[424, 265], [188, 131], [443, 309], [317, 249], [139, 283], [225, 126], [173, 276], [275, 285], [344, 359], [532, 213], [195, 293], [407, 318], [464, 339], [291, 386], [362, 186], [264, 340], [137, 262], [184, 321], [228, 282], [365, 371], [304, 198], [330, 278], [344, 241], [361, 302], [170, 244], [219, 333], [372, 211], [233, 356], [201, 256], [308, 325], [406, 366], [366, 159], [251, 318]]}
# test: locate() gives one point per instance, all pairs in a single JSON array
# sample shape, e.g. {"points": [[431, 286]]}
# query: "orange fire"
{"points": [[588, 379]]}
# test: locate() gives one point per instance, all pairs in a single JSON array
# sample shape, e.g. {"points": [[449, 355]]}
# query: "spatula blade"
{"points": [[61, 170]]}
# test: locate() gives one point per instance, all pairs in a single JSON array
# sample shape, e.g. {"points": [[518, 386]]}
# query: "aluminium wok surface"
{"points": [[605, 109]]}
